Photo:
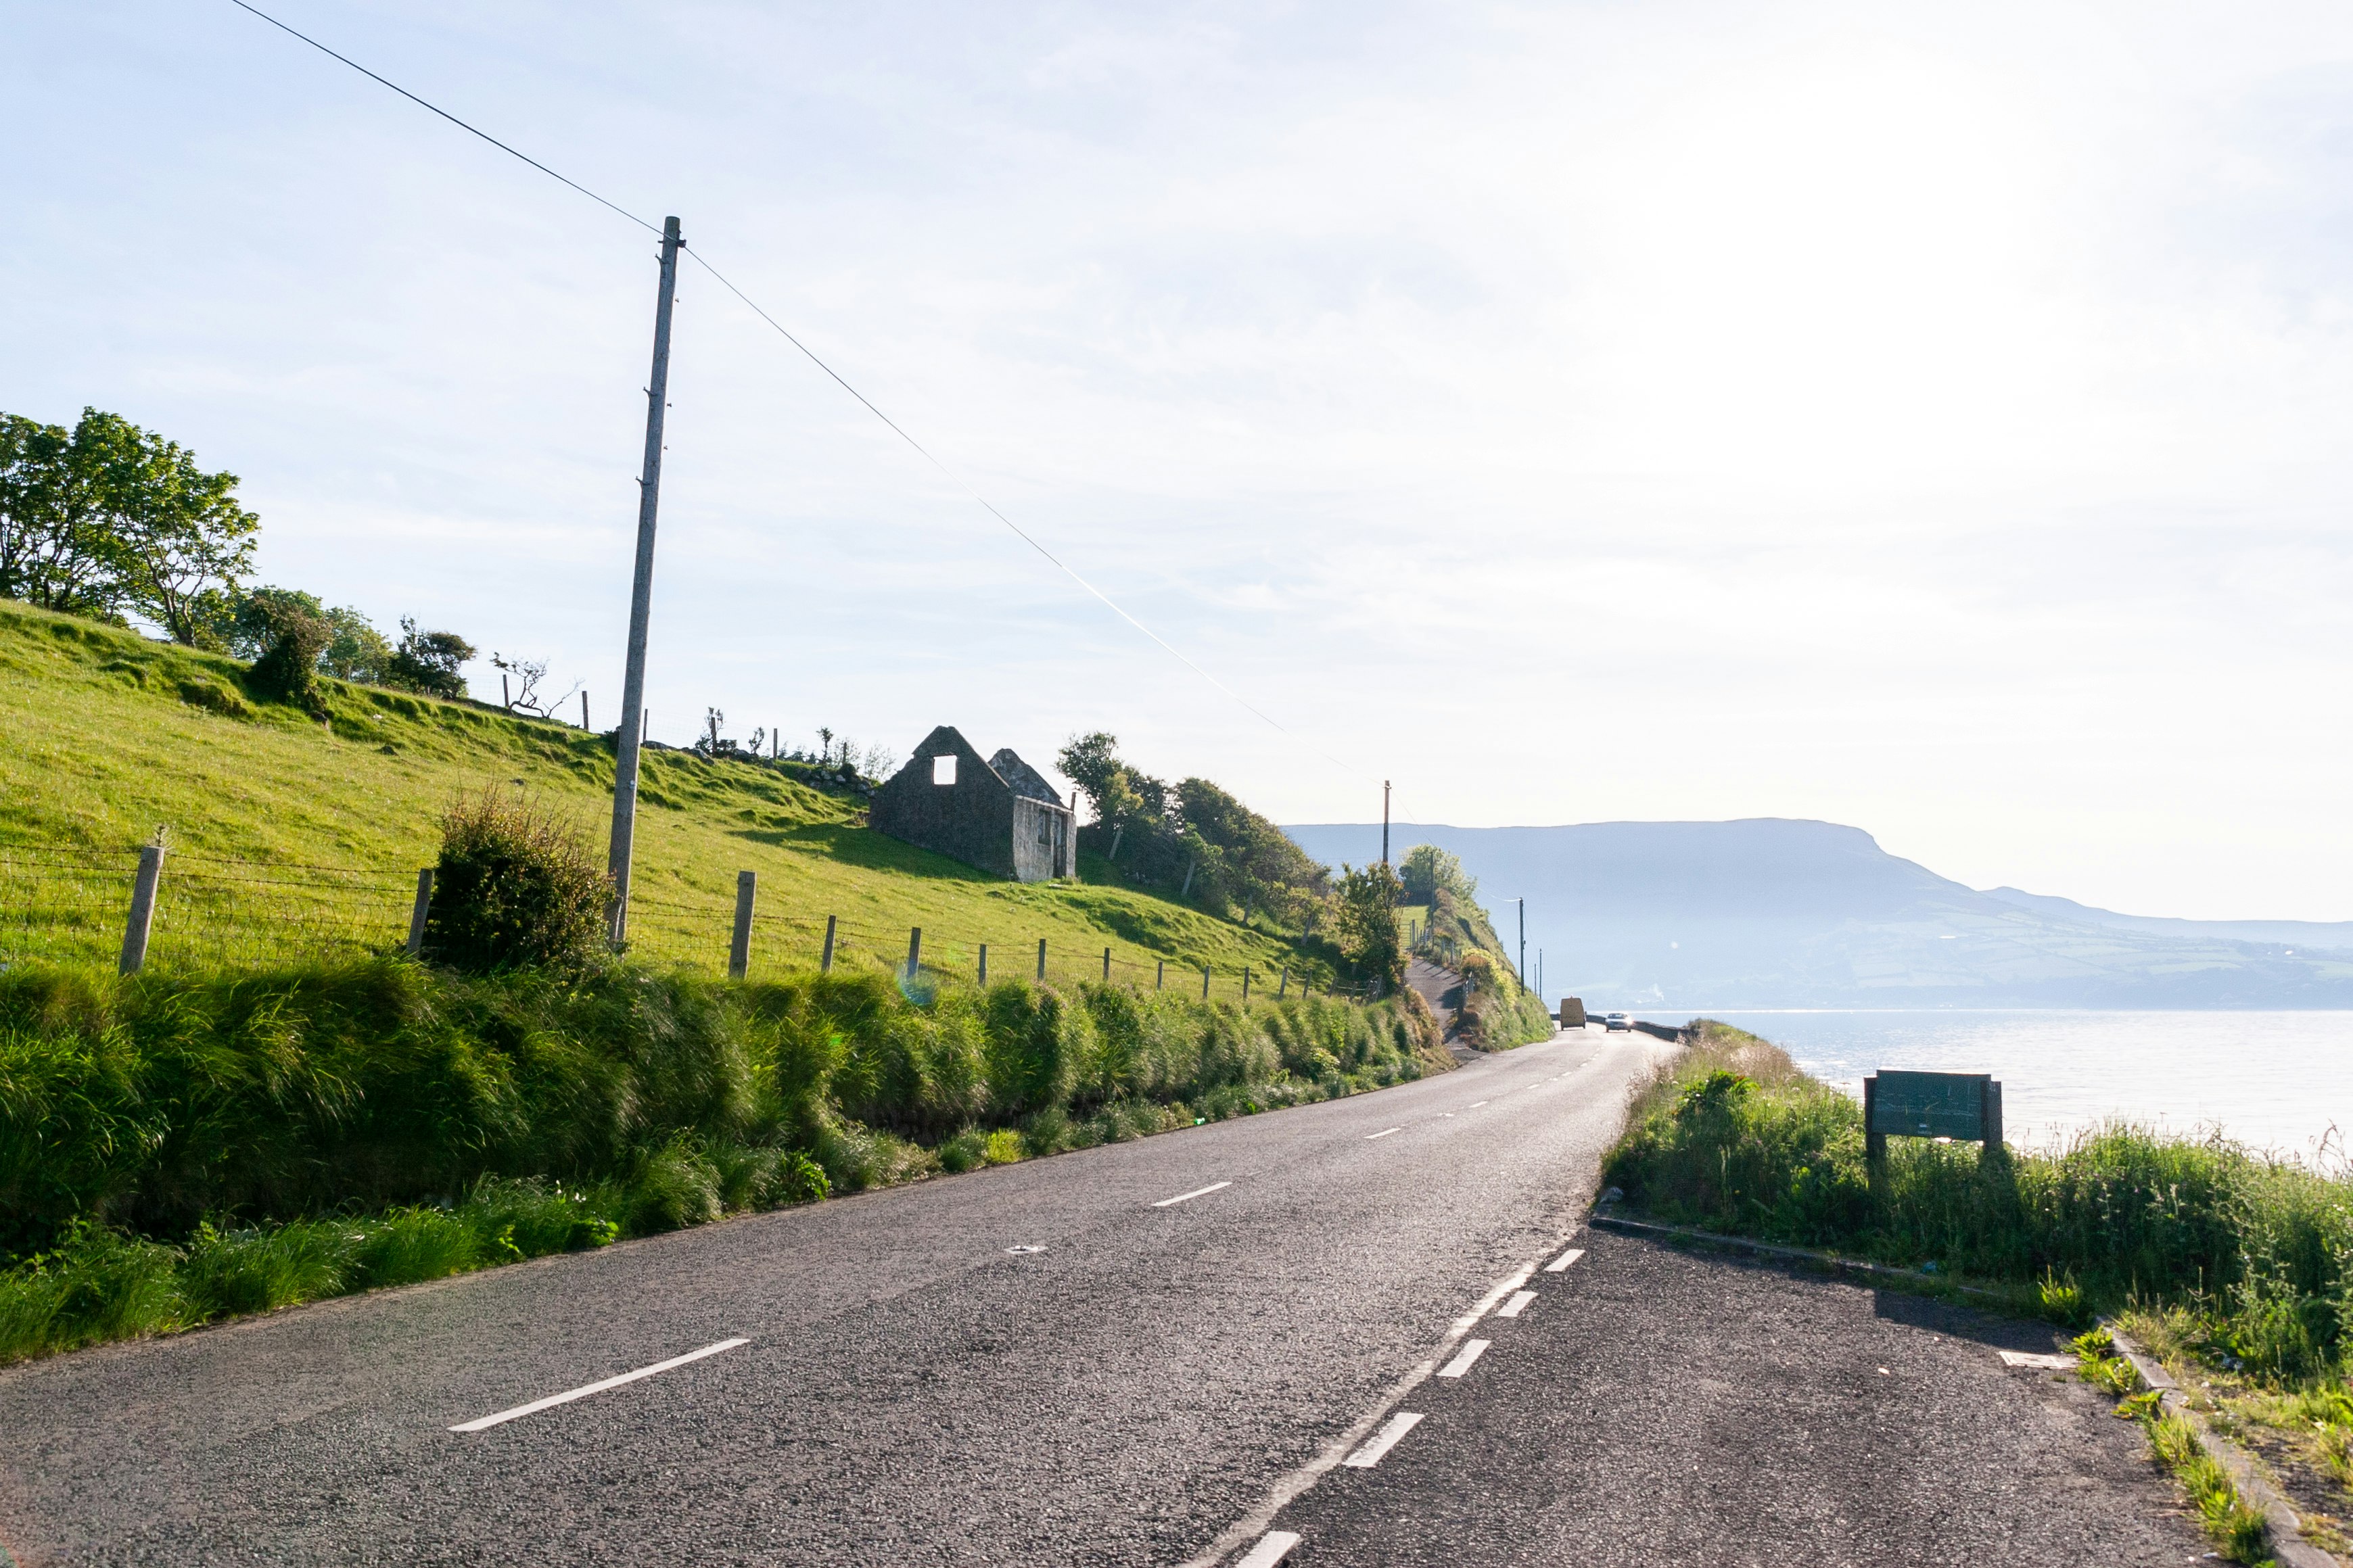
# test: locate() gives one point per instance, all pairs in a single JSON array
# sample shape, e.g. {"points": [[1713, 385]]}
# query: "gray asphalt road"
{"points": [[1144, 1390]]}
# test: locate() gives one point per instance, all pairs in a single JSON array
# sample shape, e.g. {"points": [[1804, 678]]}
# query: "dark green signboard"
{"points": [[1962, 1106], [1930, 1104]]}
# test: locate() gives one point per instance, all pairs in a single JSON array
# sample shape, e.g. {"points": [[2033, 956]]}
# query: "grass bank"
{"points": [[2236, 1261], [290, 836], [177, 1146]]}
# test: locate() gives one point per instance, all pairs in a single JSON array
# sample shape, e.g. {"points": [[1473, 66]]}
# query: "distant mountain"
{"points": [[1769, 912], [2298, 935]]}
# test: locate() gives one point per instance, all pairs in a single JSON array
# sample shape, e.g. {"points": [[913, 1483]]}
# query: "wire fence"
{"points": [[73, 905]]}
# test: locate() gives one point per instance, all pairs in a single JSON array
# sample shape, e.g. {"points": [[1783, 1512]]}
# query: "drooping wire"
{"points": [[445, 114], [866, 403], [1019, 533]]}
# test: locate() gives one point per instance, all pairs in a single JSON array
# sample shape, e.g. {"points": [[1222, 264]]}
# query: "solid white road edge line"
{"points": [[1564, 1260], [570, 1394], [1516, 1305], [1271, 1548], [1289, 1490], [1462, 1363], [1197, 1192], [1382, 1133], [1365, 1457]]}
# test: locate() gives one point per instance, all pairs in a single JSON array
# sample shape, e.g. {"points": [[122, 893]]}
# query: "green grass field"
{"points": [[291, 839]]}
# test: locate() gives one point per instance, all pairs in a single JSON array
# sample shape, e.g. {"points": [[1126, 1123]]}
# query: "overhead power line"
{"points": [[838, 379]]}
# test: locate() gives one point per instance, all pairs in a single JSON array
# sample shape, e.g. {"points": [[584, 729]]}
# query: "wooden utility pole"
{"points": [[1384, 822], [627, 741]]}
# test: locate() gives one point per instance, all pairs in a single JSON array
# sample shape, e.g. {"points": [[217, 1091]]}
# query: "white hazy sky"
{"points": [[1931, 418]]}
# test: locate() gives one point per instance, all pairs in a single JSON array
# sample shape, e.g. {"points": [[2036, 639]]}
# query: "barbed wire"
{"points": [[71, 908]]}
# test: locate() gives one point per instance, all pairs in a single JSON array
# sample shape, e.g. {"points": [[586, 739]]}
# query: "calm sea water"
{"points": [[2276, 1080]]}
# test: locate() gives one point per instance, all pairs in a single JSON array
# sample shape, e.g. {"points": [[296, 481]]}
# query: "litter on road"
{"points": [[2028, 1358]]}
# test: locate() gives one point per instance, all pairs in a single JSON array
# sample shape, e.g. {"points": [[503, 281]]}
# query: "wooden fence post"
{"points": [[1245, 981], [984, 964], [417, 915], [1160, 975], [142, 908], [914, 949], [1282, 986], [1042, 960], [1106, 966], [824, 964], [739, 952], [1874, 1142], [1204, 982]]}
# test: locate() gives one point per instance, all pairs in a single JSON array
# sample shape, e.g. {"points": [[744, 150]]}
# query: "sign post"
{"points": [[1965, 1106]]}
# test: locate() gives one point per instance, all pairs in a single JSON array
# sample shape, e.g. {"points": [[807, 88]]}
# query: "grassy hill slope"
{"points": [[290, 838]]}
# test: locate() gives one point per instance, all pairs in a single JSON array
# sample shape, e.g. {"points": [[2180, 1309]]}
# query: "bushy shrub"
{"points": [[287, 670], [516, 887]]}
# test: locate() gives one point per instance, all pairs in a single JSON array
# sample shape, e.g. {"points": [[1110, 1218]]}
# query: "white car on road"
{"points": [[1617, 1021]]}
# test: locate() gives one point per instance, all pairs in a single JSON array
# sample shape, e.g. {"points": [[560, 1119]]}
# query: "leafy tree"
{"points": [[1427, 869], [355, 650], [1192, 837], [428, 662], [55, 550], [1365, 923], [108, 519]]}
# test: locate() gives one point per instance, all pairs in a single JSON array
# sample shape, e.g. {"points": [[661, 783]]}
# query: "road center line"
{"points": [[1291, 1487], [1564, 1260], [1462, 1363], [1365, 1457], [1197, 1192], [1382, 1133], [1476, 1104], [1516, 1305], [582, 1392], [1271, 1548]]}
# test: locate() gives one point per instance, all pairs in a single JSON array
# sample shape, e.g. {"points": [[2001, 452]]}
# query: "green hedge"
{"points": [[154, 1104]]}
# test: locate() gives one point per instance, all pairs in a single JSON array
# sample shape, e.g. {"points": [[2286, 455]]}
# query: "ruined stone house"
{"points": [[999, 814]]}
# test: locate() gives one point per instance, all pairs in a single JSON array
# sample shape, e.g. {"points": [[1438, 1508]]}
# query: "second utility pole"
{"points": [[641, 596], [1384, 822]]}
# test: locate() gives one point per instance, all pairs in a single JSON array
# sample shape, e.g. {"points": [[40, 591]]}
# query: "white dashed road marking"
{"points": [[1270, 1549], [1564, 1260], [1516, 1305], [1382, 1441], [1462, 1363], [1382, 1133], [1196, 1192], [570, 1394]]}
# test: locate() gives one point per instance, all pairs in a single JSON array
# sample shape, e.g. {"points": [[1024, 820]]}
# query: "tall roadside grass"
{"points": [[1730, 1136], [176, 1148]]}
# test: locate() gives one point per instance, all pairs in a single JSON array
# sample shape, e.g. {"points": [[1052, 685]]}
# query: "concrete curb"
{"points": [[1830, 1260], [2288, 1544]]}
